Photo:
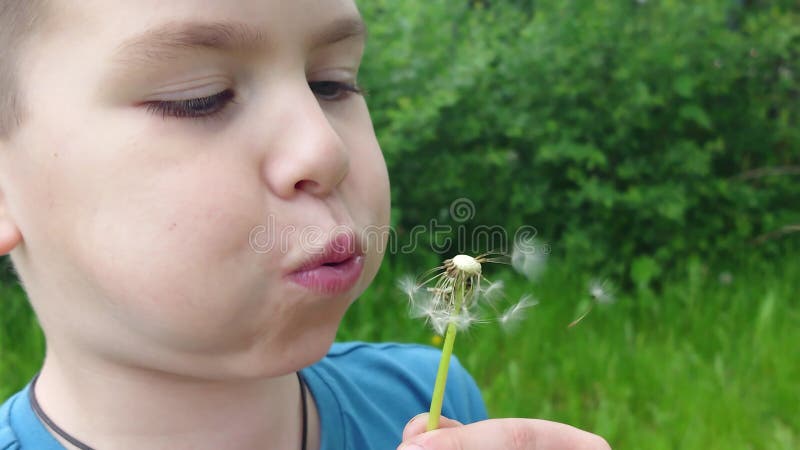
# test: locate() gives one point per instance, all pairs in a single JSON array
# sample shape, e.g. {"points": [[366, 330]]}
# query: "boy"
{"points": [[141, 144]]}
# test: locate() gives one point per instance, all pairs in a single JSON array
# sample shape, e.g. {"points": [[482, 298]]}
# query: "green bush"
{"points": [[621, 130]]}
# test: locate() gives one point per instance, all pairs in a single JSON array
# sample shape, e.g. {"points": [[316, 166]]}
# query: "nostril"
{"points": [[306, 185]]}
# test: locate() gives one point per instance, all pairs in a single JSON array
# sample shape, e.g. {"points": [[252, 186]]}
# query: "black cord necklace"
{"points": [[37, 409]]}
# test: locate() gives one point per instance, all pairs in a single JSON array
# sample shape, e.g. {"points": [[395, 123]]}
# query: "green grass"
{"points": [[697, 365], [700, 365], [21, 340]]}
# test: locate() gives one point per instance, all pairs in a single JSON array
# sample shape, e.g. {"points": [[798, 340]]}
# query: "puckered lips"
{"points": [[334, 269]]}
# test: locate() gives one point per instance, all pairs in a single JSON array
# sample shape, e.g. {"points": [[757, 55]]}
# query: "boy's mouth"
{"points": [[334, 264], [334, 270]]}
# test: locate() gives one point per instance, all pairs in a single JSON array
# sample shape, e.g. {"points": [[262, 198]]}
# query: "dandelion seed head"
{"points": [[467, 264], [452, 294]]}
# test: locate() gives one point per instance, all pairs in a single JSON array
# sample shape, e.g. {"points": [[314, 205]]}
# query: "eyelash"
{"points": [[193, 107], [343, 89], [206, 107]]}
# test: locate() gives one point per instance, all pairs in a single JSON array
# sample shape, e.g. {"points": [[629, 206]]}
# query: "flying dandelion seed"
{"points": [[512, 316], [528, 258], [600, 292], [494, 292], [408, 285]]}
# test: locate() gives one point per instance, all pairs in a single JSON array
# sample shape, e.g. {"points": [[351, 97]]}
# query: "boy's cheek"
{"points": [[135, 234]]}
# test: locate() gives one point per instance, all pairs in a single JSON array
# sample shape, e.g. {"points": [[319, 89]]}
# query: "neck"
{"points": [[120, 408]]}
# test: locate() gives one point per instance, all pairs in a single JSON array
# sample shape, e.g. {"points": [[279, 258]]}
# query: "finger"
{"points": [[419, 425], [508, 434]]}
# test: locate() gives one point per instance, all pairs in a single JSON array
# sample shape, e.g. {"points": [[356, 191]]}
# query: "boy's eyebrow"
{"points": [[164, 42]]}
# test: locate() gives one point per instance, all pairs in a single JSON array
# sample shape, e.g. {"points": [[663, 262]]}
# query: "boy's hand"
{"points": [[498, 434]]}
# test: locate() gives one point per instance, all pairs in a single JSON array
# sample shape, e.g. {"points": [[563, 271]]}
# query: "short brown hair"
{"points": [[18, 19]]}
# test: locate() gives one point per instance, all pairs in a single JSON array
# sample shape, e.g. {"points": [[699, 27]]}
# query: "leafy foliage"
{"points": [[624, 131]]}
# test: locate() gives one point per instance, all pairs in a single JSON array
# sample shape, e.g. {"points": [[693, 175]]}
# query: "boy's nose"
{"points": [[309, 155]]}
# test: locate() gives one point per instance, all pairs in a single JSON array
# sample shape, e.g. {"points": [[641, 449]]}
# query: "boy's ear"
{"points": [[10, 236]]}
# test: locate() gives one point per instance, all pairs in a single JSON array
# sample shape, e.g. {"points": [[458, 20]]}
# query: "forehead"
{"points": [[131, 23]]}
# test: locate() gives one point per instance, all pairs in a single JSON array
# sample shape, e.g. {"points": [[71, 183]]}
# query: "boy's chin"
{"points": [[287, 357]]}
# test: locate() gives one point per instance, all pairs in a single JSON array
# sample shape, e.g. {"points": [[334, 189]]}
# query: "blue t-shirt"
{"points": [[365, 395]]}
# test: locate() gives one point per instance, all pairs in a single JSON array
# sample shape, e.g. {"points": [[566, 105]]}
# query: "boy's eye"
{"points": [[193, 107], [333, 90], [213, 104]]}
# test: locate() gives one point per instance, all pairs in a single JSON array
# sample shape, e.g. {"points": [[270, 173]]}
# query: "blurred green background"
{"points": [[655, 144]]}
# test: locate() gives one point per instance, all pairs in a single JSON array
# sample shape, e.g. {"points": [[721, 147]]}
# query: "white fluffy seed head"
{"points": [[467, 264]]}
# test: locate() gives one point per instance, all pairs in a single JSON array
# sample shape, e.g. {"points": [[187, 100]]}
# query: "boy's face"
{"points": [[162, 135]]}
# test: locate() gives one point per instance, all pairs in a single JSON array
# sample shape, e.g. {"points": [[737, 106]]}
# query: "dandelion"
{"points": [[599, 292], [454, 303]]}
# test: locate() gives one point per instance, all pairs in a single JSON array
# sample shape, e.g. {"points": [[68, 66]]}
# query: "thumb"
{"points": [[419, 425], [507, 434]]}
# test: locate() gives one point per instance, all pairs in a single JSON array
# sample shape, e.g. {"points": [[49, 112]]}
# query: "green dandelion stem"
{"points": [[441, 378], [444, 364]]}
